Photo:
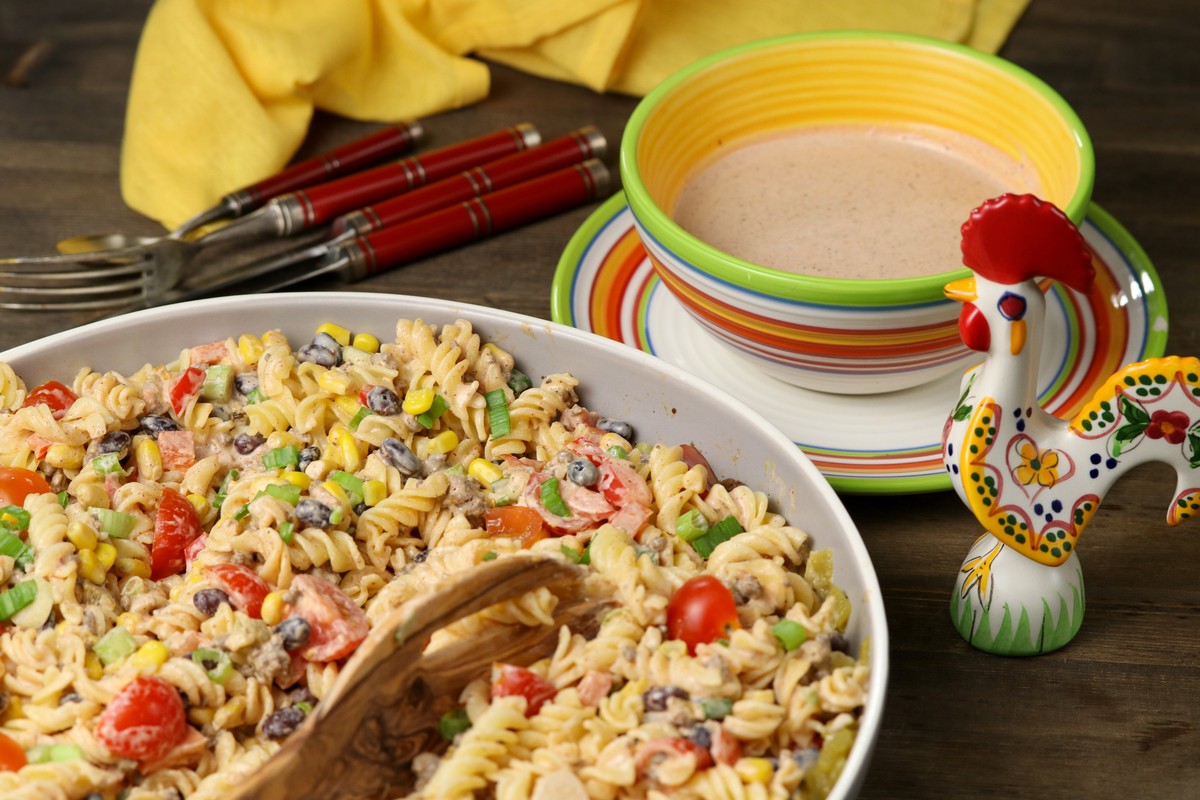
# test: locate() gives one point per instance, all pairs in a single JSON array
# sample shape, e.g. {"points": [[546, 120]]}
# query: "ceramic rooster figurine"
{"points": [[1033, 480]]}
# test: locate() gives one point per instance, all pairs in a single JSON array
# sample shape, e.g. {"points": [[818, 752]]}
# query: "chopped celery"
{"points": [[114, 646], [790, 634], [218, 384]]}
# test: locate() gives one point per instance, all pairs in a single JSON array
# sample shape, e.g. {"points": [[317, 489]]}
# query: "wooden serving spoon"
{"points": [[385, 706]]}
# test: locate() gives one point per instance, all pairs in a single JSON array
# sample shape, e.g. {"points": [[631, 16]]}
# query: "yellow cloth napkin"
{"points": [[223, 90]]}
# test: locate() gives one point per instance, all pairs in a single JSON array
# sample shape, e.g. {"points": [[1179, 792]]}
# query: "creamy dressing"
{"points": [[847, 201]]}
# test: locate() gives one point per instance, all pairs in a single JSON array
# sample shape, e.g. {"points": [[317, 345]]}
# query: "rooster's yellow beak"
{"points": [[963, 290]]}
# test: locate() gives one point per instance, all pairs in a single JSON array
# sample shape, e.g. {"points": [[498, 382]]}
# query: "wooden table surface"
{"points": [[1112, 715]]}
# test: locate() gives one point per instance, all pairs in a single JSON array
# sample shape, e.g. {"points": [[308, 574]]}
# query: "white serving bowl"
{"points": [[662, 402]]}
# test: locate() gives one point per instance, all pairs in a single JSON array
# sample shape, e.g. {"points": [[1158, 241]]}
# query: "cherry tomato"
{"points": [[175, 527], [243, 586], [193, 550], [509, 680], [144, 722], [515, 522], [725, 748], [12, 755], [701, 611], [621, 484], [671, 748], [337, 624], [185, 387], [53, 394], [17, 482]]}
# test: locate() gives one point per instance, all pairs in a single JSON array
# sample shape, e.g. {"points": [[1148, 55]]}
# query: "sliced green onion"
{"points": [[438, 408], [552, 500], [351, 483], [223, 490], [691, 526], [572, 553], [254, 396], [286, 530], [117, 524], [19, 516], [518, 381], [47, 753], [790, 634], [216, 663], [490, 555], [63, 498], [723, 531], [453, 723], [114, 645], [336, 515], [716, 707], [218, 384], [497, 406], [287, 492], [108, 464], [362, 413], [17, 598], [11, 545], [242, 512], [282, 457]]}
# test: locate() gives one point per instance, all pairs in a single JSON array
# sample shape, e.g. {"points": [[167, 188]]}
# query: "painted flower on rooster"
{"points": [[1037, 466]]}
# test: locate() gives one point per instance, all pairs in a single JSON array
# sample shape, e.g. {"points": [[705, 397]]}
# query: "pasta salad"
{"points": [[190, 553]]}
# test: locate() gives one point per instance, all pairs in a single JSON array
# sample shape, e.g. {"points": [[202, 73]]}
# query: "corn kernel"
{"points": [[337, 491], [610, 440], [348, 405], [91, 568], [16, 709], [484, 471], [198, 715], [127, 620], [149, 459], [418, 401], [151, 654], [374, 492], [81, 535], [335, 382], [250, 349], [131, 567], [107, 554], [199, 502], [297, 479], [272, 608], [273, 338], [93, 666], [194, 577], [444, 442], [754, 770], [278, 439], [365, 341], [351, 458], [337, 332], [64, 456]]}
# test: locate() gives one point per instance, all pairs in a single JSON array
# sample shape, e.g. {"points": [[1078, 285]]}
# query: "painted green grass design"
{"points": [[1020, 639]]}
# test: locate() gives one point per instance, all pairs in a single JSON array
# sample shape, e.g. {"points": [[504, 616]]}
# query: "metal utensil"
{"points": [[113, 278]]}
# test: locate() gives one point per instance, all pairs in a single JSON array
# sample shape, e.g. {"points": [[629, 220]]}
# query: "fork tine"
{"points": [[63, 275], [60, 305], [100, 258]]}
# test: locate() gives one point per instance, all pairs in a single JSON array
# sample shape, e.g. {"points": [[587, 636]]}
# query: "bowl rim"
{"points": [[767, 282]]}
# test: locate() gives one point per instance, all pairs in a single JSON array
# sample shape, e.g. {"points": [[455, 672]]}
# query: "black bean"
{"points": [[302, 695], [245, 383], [806, 758], [307, 456], [155, 424], [114, 442], [247, 443], [420, 557], [655, 699], [316, 354], [700, 735], [839, 642], [619, 427], [383, 400], [359, 508], [313, 513], [209, 600], [582, 472], [295, 632], [396, 453], [70, 697], [93, 796], [283, 722], [329, 343]]}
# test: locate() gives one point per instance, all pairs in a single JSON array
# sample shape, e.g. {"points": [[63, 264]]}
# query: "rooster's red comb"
{"points": [[1014, 238]]}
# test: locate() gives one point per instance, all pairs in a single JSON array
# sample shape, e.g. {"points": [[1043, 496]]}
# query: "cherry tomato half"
{"points": [[515, 522], [509, 680], [671, 748], [17, 482], [144, 722], [621, 484], [53, 394], [12, 755], [175, 527], [701, 611], [243, 586], [337, 624]]}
